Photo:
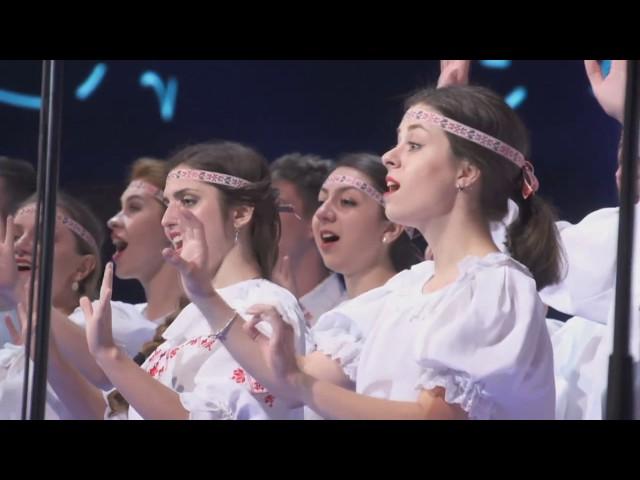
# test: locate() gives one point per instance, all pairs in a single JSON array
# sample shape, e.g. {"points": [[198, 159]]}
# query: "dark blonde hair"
{"points": [[151, 170]]}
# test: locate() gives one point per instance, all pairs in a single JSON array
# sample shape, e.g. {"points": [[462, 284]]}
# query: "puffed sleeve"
{"points": [[489, 348]]}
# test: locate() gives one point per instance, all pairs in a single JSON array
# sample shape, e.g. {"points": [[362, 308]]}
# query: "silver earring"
{"points": [[75, 286], [384, 239], [235, 240], [460, 188]]}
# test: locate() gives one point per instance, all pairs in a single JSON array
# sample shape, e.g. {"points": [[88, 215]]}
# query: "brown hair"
{"points": [[20, 181], [82, 214], [403, 252], [307, 173], [532, 239], [244, 162]]}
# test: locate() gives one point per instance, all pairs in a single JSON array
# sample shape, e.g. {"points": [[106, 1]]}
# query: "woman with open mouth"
{"points": [[138, 238], [459, 337], [224, 188], [76, 270], [137, 229], [355, 239]]}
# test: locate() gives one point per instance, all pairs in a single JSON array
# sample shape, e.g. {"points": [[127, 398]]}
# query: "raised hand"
{"points": [[8, 268], [279, 349], [192, 259], [609, 91], [98, 318], [454, 72]]}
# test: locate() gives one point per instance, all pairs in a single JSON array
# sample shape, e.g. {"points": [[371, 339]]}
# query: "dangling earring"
{"points": [[460, 188], [75, 286], [235, 240]]}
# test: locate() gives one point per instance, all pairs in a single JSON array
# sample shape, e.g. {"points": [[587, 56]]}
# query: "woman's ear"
{"points": [[391, 232], [86, 266], [242, 215], [468, 174]]}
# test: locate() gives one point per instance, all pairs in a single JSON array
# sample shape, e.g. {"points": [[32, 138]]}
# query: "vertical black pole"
{"points": [[620, 387], [48, 173]]}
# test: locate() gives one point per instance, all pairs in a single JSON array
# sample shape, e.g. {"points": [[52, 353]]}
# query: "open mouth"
{"points": [[392, 186], [120, 246], [328, 237], [24, 267], [176, 241]]}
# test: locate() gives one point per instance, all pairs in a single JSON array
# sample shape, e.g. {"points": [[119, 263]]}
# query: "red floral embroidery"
{"points": [[154, 361], [238, 375], [269, 400], [154, 357], [161, 357], [207, 342], [257, 387]]}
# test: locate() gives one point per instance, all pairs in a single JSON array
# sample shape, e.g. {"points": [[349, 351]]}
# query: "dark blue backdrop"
{"points": [[324, 107]]}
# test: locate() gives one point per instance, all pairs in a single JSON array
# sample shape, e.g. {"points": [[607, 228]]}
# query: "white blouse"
{"points": [[482, 338], [326, 295], [582, 347], [575, 345], [340, 332], [587, 291], [130, 330], [596, 372], [211, 384], [590, 248]]}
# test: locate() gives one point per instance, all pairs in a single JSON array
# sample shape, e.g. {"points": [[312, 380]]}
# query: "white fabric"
{"points": [[596, 372], [130, 330], [582, 347], [499, 229], [590, 248], [575, 344], [211, 384], [340, 332], [482, 338], [326, 295]]}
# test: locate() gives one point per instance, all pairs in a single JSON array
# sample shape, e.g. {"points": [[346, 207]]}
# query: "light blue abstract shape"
{"points": [[496, 64], [515, 98], [94, 79], [166, 94], [20, 100]]}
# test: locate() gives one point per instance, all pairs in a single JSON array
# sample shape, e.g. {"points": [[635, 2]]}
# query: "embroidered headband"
{"points": [[209, 177], [530, 183], [137, 186], [68, 222]]}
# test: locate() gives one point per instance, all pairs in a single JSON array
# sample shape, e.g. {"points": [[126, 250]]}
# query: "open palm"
{"points": [[192, 260]]}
